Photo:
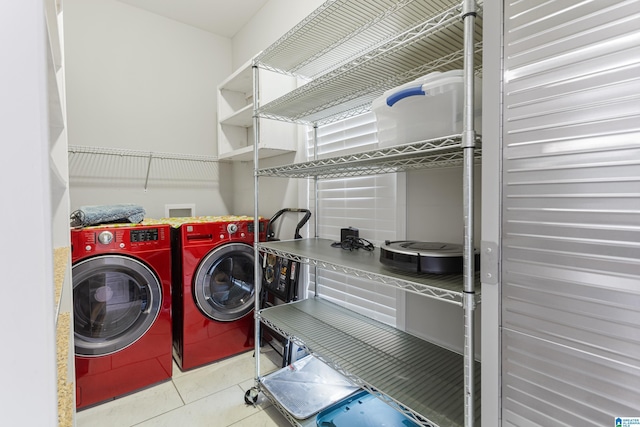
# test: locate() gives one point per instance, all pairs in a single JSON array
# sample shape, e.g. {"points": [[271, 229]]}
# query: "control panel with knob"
{"points": [[105, 237]]}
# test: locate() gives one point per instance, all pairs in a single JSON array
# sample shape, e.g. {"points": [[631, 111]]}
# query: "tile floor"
{"points": [[209, 396]]}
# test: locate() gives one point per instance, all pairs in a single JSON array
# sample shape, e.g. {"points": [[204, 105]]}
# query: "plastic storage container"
{"points": [[307, 386], [426, 108], [362, 410]]}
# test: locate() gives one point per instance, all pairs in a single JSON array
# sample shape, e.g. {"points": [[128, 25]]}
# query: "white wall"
{"points": [[28, 394], [435, 214], [270, 23], [140, 81], [435, 205], [144, 82]]}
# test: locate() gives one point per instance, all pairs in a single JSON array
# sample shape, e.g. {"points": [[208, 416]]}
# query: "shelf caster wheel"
{"points": [[251, 396]]}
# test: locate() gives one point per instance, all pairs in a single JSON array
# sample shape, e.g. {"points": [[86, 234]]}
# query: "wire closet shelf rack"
{"points": [[349, 53]]}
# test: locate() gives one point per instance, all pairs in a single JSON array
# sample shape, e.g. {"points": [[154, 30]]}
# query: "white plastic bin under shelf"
{"points": [[307, 386], [426, 108]]}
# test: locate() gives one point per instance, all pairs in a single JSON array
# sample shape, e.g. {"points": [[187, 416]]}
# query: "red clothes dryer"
{"points": [[121, 278], [213, 289]]}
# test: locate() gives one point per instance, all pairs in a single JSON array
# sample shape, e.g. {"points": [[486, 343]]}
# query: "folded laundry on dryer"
{"points": [[101, 214]]}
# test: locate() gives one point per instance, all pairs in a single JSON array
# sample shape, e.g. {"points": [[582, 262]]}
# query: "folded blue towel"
{"points": [[104, 214]]}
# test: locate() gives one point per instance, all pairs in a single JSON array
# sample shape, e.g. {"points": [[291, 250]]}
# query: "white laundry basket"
{"points": [[426, 108]]}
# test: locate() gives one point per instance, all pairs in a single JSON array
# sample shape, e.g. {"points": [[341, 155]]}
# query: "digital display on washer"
{"points": [[147, 235], [251, 228]]}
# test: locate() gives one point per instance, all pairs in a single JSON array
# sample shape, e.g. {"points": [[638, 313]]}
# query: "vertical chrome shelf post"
{"points": [[316, 206], [468, 145], [257, 273]]}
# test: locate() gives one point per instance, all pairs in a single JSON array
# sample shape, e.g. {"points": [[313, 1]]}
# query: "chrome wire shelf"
{"points": [[434, 153], [329, 104], [425, 378], [309, 422], [318, 252], [340, 30], [348, 90]]}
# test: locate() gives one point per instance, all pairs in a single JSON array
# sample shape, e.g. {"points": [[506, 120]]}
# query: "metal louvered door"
{"points": [[571, 213]]}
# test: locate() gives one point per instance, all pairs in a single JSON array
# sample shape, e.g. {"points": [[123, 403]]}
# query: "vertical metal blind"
{"points": [[571, 213], [367, 203]]}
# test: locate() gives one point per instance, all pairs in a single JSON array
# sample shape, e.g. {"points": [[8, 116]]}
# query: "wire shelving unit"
{"points": [[350, 53]]}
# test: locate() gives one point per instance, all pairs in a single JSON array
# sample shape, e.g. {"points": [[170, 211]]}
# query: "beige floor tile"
{"points": [[176, 371], [159, 405], [218, 376], [132, 409], [246, 385], [270, 417], [219, 409]]}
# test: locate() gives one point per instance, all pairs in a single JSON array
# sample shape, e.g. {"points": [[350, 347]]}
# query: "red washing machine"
{"points": [[213, 289], [122, 309]]}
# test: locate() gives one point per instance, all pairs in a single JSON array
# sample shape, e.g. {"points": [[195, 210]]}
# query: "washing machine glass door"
{"points": [[223, 285], [116, 299]]}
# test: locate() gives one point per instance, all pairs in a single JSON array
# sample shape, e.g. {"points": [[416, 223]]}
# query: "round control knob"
{"points": [[232, 228], [105, 237]]}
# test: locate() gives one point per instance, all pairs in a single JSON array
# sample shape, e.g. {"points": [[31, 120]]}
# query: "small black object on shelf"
{"points": [[353, 242], [424, 257]]}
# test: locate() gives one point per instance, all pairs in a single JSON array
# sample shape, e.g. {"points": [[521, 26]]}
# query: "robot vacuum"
{"points": [[424, 257]]}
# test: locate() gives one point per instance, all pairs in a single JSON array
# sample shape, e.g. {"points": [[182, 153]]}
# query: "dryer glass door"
{"points": [[224, 287], [116, 299]]}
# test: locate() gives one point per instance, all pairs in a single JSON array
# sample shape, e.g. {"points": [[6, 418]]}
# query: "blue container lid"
{"points": [[362, 410]]}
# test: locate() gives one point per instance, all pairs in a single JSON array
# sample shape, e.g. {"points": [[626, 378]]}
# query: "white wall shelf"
{"points": [[56, 108], [52, 12], [59, 187], [242, 118], [61, 275], [235, 116], [59, 183], [246, 154]]}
